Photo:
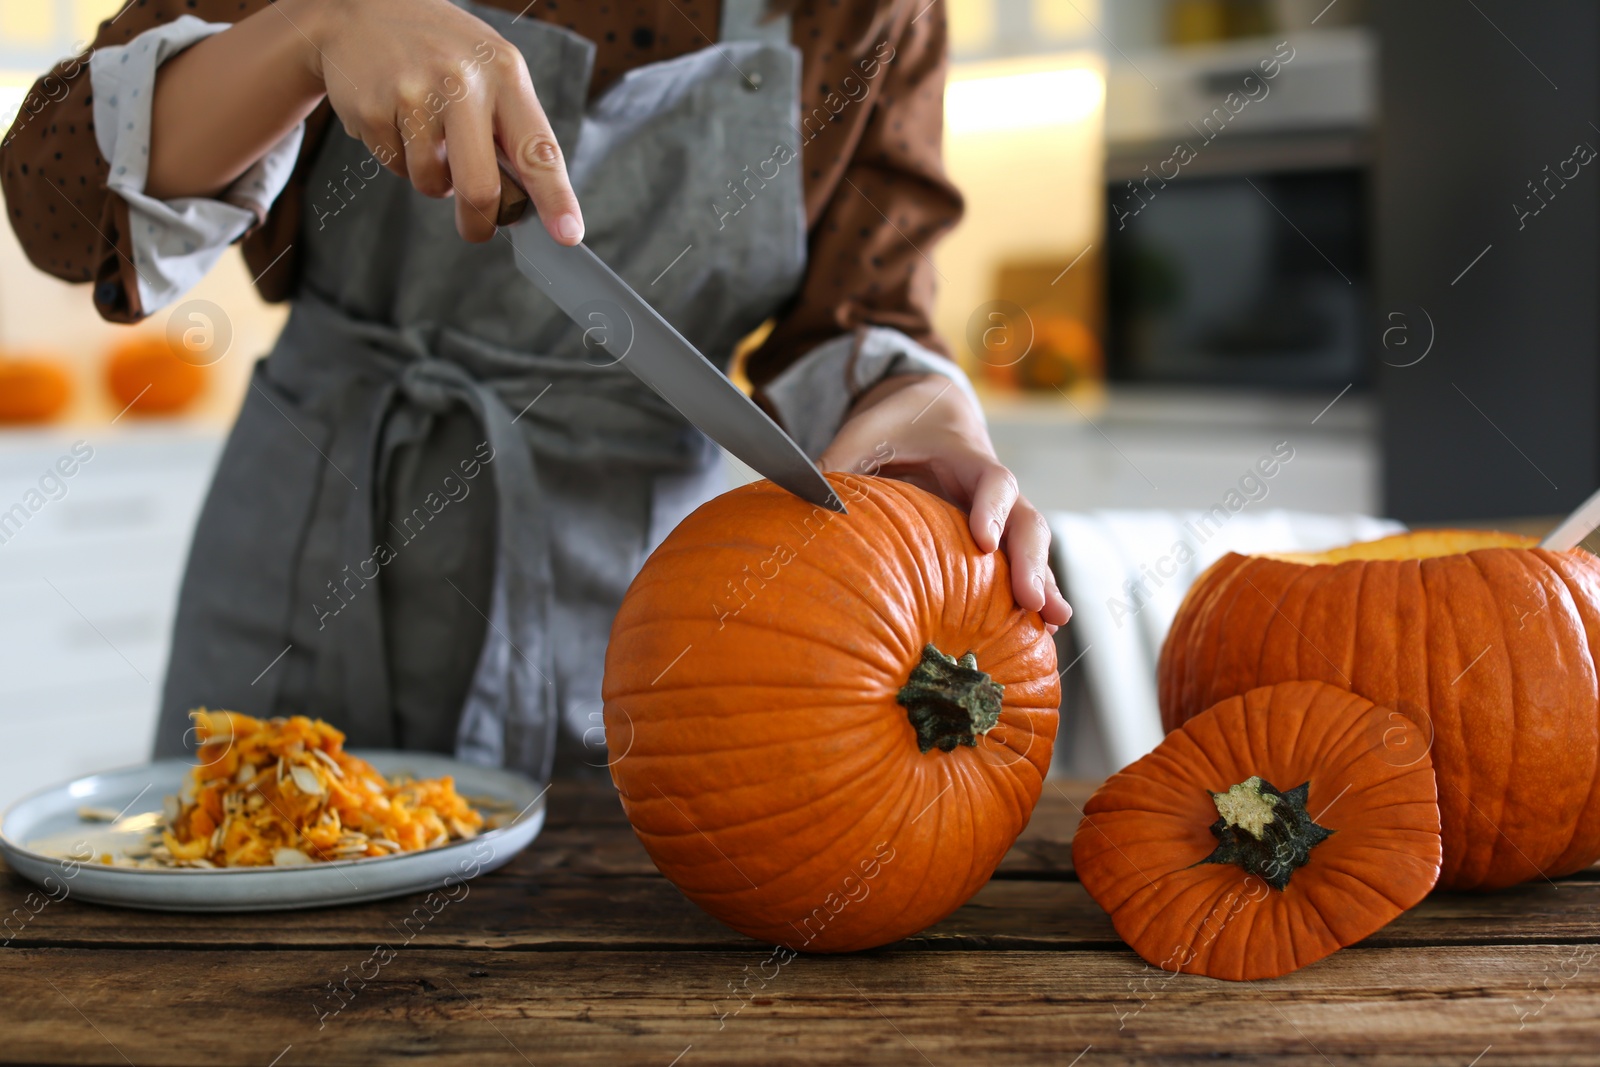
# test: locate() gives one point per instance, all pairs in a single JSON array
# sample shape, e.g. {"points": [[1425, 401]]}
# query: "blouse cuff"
{"points": [[812, 396], [174, 242]]}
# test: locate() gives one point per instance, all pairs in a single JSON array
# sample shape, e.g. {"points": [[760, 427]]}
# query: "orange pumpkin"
{"points": [[32, 390], [1484, 644], [828, 729], [147, 377], [1261, 835]]}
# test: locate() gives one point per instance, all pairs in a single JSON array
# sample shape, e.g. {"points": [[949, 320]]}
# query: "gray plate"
{"points": [[40, 832]]}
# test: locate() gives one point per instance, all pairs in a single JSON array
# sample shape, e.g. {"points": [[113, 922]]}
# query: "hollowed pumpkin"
{"points": [[1483, 643], [32, 390], [828, 729], [1261, 835]]}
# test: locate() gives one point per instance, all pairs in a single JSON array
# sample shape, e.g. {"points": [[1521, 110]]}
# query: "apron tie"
{"points": [[435, 384], [509, 715]]}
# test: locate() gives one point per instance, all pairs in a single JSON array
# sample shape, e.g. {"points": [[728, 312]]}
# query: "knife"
{"points": [[620, 321], [1572, 530]]}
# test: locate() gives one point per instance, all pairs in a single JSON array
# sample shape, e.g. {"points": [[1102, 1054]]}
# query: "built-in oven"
{"points": [[1257, 278], [1237, 215]]}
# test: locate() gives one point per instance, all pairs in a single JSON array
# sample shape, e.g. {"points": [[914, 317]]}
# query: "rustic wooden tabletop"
{"points": [[579, 952]]}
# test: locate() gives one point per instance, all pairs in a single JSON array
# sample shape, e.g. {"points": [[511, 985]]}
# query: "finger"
{"points": [[531, 148], [1028, 550], [474, 173], [423, 139], [993, 497], [382, 144], [1028, 547], [1057, 612]]}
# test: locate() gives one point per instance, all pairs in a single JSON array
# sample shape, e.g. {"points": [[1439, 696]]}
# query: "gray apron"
{"points": [[435, 495]]}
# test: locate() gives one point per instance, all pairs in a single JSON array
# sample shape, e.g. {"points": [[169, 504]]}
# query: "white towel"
{"points": [[1125, 573]]}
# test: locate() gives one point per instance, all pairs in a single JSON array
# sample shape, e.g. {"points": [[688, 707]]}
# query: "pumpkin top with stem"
{"points": [[1205, 867], [1263, 831], [950, 702]]}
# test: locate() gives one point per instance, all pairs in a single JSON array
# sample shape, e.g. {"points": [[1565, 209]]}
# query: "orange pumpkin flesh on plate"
{"points": [[1262, 835], [1486, 644], [828, 729], [32, 390], [147, 377]]}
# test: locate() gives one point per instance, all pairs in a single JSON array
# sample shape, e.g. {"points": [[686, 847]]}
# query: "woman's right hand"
{"points": [[431, 90]]}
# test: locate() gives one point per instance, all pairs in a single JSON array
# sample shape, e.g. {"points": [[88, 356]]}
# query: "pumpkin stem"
{"points": [[1263, 831], [950, 701]]}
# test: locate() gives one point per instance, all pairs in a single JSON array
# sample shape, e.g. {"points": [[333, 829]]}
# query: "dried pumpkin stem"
{"points": [[950, 702], [1264, 831]]}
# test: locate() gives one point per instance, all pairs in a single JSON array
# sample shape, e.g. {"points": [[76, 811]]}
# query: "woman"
{"points": [[435, 497]]}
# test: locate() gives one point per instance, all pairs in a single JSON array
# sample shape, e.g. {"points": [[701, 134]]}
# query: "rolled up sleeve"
{"points": [[175, 242]]}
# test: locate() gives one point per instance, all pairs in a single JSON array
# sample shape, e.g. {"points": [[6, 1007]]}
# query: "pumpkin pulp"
{"points": [[1263, 831], [949, 701]]}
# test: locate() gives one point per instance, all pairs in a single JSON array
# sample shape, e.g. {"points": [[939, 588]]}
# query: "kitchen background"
{"points": [[1199, 232]]}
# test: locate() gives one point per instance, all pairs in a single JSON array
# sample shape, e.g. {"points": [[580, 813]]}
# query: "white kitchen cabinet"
{"points": [[88, 587]]}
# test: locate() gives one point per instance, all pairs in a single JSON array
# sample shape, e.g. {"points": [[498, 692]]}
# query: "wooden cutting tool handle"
{"points": [[514, 200]]}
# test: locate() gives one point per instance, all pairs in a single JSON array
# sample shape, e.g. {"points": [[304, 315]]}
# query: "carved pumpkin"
{"points": [[145, 376], [32, 390], [1261, 835], [1485, 645], [828, 729]]}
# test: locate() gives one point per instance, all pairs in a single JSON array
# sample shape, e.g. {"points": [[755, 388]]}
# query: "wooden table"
{"points": [[579, 952]]}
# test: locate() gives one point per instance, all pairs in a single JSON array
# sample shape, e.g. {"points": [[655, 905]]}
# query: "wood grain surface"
{"points": [[578, 952]]}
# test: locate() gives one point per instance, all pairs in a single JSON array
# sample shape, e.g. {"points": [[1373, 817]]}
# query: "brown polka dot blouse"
{"points": [[871, 153]]}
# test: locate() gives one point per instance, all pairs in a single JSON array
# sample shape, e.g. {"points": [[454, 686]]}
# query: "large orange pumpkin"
{"points": [[145, 375], [828, 729], [1261, 835], [1484, 645], [32, 390]]}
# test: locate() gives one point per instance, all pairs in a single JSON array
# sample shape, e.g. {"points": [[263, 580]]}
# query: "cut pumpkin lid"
{"points": [[1265, 833]]}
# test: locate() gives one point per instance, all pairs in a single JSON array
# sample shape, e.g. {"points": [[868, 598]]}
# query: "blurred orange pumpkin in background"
{"points": [[32, 389], [146, 376], [1065, 353]]}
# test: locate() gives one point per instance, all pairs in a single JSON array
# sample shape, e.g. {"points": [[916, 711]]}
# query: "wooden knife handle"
{"points": [[513, 198]]}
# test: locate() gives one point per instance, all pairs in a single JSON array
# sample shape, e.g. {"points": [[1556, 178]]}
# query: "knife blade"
{"points": [[618, 320]]}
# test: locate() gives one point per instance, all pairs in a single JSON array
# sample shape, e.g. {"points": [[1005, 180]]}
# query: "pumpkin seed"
{"points": [[289, 857], [306, 780], [333, 764]]}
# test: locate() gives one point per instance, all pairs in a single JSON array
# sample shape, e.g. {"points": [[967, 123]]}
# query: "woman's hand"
{"points": [[429, 89], [939, 443]]}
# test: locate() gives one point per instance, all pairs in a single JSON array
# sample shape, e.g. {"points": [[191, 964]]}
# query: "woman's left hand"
{"points": [[937, 441]]}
